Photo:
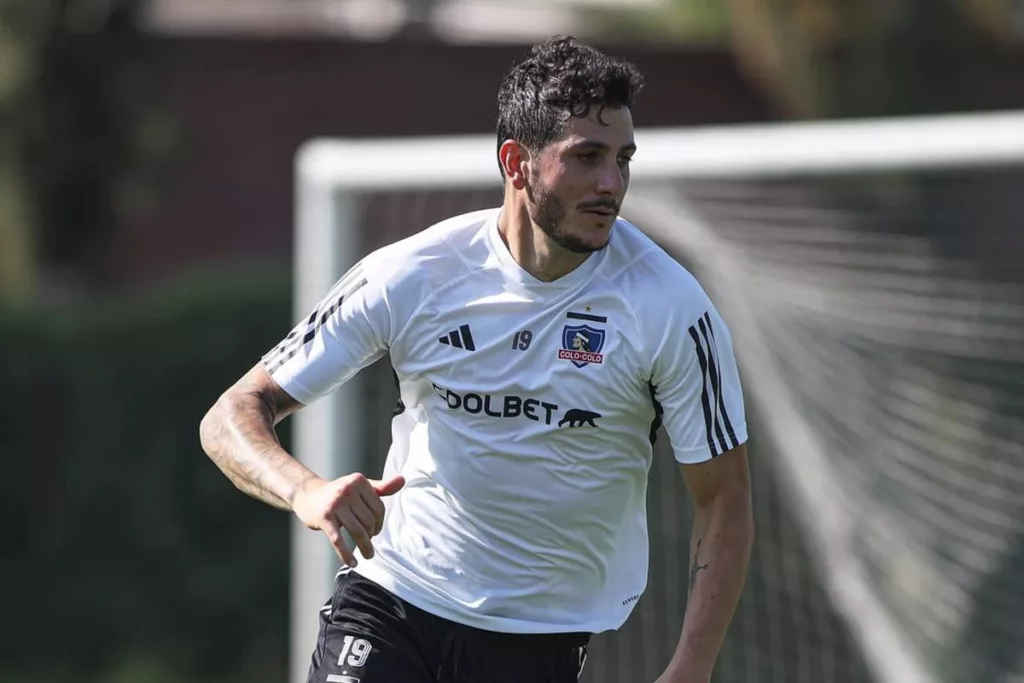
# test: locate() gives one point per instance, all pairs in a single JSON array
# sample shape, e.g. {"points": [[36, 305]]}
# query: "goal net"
{"points": [[871, 274]]}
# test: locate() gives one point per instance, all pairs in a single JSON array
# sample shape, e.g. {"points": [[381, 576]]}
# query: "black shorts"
{"points": [[368, 635]]}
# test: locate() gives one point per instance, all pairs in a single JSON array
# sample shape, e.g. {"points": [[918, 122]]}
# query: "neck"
{"points": [[532, 249]]}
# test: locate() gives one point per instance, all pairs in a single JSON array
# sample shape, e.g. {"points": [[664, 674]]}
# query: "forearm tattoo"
{"points": [[696, 568], [240, 438]]}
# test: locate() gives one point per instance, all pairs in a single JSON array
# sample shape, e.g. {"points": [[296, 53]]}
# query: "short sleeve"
{"points": [[696, 386], [348, 330]]}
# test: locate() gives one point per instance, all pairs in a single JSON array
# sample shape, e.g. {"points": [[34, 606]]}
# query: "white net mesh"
{"points": [[882, 321], [879, 320]]}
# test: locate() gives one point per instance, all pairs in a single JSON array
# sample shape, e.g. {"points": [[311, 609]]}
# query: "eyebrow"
{"points": [[597, 144]]}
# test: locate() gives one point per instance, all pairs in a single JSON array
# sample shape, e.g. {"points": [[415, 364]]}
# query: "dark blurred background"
{"points": [[146, 198]]}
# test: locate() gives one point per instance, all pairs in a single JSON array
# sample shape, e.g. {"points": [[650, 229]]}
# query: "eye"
{"points": [[624, 161], [588, 156]]}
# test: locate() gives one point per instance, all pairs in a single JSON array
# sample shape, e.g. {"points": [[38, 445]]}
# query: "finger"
{"points": [[376, 507], [357, 531], [332, 529], [364, 515], [390, 486]]}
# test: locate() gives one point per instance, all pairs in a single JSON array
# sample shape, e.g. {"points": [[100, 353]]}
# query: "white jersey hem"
{"points": [[698, 455], [398, 583]]}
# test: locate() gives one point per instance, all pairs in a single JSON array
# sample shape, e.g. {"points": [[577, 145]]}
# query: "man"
{"points": [[538, 348]]}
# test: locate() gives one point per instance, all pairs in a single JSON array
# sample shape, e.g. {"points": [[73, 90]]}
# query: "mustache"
{"points": [[609, 204]]}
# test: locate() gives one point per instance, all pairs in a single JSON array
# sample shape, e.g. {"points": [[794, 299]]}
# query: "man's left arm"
{"points": [[720, 546], [698, 396]]}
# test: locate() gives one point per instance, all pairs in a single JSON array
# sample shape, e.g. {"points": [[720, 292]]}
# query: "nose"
{"points": [[610, 180]]}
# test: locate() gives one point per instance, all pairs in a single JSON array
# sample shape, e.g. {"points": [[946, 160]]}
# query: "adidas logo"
{"points": [[461, 338]]}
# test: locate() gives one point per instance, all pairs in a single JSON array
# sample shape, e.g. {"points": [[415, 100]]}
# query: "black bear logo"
{"points": [[578, 418]]}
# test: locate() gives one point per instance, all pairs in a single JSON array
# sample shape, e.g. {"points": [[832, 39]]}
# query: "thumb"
{"points": [[387, 487]]}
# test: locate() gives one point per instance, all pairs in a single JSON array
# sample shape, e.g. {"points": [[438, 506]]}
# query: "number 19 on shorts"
{"points": [[354, 652]]}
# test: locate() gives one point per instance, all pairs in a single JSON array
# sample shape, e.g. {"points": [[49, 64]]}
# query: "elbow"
{"points": [[211, 426]]}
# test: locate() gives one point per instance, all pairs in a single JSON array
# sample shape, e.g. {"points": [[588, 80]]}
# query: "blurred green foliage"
{"points": [[831, 58], [83, 138], [670, 21], [133, 558]]}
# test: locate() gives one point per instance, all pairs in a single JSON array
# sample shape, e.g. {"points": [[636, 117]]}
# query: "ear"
{"points": [[514, 160]]}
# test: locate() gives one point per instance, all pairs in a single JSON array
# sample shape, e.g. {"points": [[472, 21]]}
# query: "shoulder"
{"points": [[431, 256], [657, 285]]}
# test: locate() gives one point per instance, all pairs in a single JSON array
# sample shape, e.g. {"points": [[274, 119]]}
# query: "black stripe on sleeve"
{"points": [[704, 400], [721, 399], [285, 357], [716, 385], [292, 345]]}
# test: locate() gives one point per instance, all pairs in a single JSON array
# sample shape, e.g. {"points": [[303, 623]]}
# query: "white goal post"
{"points": [[332, 174]]}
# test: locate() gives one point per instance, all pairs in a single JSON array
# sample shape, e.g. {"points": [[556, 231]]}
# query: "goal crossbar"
{"points": [[748, 151]]}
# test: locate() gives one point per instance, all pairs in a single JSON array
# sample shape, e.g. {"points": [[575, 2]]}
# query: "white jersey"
{"points": [[530, 410]]}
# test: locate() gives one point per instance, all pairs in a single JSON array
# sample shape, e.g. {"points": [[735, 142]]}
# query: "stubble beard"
{"points": [[549, 214]]}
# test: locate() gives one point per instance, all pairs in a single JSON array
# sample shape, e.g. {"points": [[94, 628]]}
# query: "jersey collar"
{"points": [[511, 268]]}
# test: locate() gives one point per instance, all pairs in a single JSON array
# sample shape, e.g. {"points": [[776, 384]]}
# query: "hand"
{"points": [[351, 502]]}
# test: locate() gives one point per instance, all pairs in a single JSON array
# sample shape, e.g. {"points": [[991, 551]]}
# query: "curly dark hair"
{"points": [[561, 78]]}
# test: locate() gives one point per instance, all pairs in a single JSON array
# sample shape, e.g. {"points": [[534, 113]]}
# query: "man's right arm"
{"points": [[239, 436], [346, 331]]}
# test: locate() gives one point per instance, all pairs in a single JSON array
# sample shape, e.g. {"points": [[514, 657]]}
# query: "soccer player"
{"points": [[538, 347]]}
